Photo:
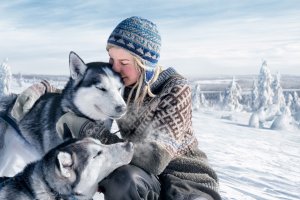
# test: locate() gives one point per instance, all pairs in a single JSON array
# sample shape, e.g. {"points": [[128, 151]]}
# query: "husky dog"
{"points": [[72, 170], [93, 91]]}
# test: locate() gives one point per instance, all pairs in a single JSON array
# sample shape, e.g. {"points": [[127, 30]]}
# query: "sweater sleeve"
{"points": [[170, 129], [151, 156]]}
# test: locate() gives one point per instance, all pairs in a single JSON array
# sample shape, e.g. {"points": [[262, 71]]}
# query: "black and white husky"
{"points": [[93, 91], [72, 170]]}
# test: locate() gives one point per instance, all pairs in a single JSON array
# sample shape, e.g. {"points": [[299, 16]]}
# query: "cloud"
{"points": [[198, 37], [236, 46], [44, 51]]}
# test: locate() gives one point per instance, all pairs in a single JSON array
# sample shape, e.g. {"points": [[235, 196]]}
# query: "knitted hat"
{"points": [[140, 37]]}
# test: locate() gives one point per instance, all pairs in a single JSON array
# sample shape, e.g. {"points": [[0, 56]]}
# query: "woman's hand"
{"points": [[28, 97], [74, 123], [82, 127]]}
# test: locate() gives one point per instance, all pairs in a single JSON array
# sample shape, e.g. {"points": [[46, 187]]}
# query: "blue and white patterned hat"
{"points": [[140, 37]]}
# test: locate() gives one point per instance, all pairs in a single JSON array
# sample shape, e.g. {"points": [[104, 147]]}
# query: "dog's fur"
{"points": [[71, 170], [93, 91]]}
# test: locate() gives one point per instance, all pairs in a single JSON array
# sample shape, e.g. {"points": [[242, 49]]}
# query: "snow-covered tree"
{"points": [[232, 96], [278, 98], [295, 103], [258, 118], [203, 100], [265, 92], [283, 121], [19, 79], [221, 98], [195, 96], [289, 99], [198, 97], [254, 96], [296, 97], [5, 78], [297, 118]]}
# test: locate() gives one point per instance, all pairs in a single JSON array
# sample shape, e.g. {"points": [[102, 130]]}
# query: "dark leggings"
{"points": [[130, 183]]}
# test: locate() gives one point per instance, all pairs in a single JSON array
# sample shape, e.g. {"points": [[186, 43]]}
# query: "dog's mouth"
{"points": [[108, 115]]}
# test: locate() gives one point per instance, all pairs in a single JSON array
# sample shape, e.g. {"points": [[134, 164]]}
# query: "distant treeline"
{"points": [[42, 77], [288, 82]]}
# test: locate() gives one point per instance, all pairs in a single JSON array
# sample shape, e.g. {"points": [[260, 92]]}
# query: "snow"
{"points": [[220, 81], [251, 163], [233, 94], [277, 90], [5, 78], [265, 91]]}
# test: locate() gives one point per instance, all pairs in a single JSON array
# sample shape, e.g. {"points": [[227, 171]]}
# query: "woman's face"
{"points": [[124, 64]]}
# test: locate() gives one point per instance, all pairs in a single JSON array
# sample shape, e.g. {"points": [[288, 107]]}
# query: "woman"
{"points": [[167, 163]]}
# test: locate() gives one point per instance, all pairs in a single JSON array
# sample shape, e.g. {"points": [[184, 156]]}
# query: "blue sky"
{"points": [[199, 37]]}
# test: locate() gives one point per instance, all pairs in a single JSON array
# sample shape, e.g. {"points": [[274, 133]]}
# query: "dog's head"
{"points": [[75, 168], [96, 90]]}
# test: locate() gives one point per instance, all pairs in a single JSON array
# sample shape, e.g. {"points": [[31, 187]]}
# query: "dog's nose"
{"points": [[120, 109]]}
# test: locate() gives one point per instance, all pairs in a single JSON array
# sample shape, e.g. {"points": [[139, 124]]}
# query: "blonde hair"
{"points": [[142, 88]]}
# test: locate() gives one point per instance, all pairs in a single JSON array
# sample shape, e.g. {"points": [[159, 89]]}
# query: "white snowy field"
{"points": [[252, 164]]}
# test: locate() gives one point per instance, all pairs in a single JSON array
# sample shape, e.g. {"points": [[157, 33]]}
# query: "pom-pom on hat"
{"points": [[140, 37]]}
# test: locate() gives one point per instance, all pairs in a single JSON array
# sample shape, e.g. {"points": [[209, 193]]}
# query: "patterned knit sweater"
{"points": [[162, 133]]}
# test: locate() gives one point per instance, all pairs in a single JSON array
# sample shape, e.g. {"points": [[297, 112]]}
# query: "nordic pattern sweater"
{"points": [[162, 133]]}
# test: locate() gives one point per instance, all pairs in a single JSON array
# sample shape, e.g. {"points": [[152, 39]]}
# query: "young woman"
{"points": [[167, 163]]}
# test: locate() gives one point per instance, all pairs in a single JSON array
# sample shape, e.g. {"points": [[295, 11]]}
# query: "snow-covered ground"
{"points": [[251, 163]]}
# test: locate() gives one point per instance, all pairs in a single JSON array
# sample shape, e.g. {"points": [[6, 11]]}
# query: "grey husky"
{"points": [[93, 91], [70, 171]]}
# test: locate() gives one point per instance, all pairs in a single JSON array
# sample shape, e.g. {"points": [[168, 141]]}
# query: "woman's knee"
{"points": [[131, 182]]}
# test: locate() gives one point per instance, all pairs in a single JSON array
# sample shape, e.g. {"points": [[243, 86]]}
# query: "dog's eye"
{"points": [[102, 89], [98, 154]]}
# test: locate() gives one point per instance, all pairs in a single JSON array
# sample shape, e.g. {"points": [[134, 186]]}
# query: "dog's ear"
{"points": [[65, 163], [77, 66]]}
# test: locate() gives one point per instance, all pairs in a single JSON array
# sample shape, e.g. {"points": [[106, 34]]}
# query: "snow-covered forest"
{"points": [[270, 104], [249, 126]]}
